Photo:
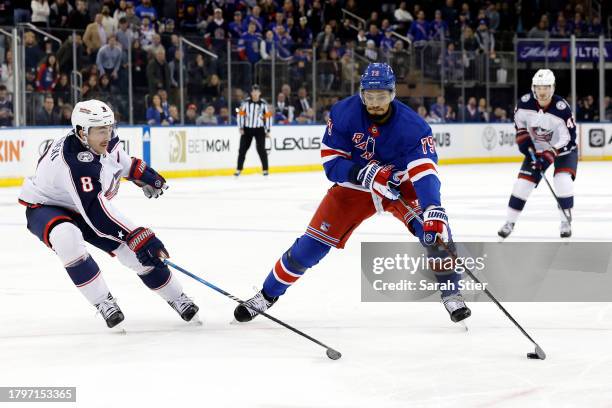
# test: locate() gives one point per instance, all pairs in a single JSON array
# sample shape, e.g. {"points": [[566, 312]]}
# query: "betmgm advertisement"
{"points": [[193, 151]]}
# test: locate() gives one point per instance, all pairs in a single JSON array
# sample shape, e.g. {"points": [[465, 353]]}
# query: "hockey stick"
{"points": [[539, 353], [567, 218], [331, 353]]}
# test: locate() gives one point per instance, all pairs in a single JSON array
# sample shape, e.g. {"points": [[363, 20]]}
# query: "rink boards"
{"points": [[196, 151]]}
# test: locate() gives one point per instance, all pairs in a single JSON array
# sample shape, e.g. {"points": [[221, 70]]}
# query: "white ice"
{"points": [[394, 354]]}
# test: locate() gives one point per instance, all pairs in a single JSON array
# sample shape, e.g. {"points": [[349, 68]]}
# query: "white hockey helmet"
{"points": [[91, 113], [543, 77]]}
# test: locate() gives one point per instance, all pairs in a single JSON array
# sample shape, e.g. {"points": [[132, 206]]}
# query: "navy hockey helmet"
{"points": [[377, 76]]}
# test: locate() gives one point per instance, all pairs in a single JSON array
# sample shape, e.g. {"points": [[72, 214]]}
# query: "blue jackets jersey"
{"points": [[550, 127], [405, 140]]}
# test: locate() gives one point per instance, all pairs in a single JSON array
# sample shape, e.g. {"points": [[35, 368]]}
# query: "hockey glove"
{"points": [[524, 142], [381, 180], [148, 248], [435, 224], [152, 183], [545, 159]]}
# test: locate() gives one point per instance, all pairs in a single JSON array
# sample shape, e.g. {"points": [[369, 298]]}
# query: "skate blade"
{"points": [[234, 322], [119, 329], [196, 321], [463, 325]]}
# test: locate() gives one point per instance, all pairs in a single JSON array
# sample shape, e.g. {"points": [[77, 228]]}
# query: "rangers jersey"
{"points": [[70, 176], [553, 127], [405, 141]]}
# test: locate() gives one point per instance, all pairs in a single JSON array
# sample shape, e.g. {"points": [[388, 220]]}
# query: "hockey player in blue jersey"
{"points": [[69, 202], [374, 149], [544, 124]]}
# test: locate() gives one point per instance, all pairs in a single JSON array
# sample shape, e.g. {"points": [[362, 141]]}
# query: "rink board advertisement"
{"points": [[595, 141], [193, 151], [512, 271], [198, 151]]}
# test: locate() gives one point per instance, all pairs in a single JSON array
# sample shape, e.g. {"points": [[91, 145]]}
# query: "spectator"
{"points": [[302, 34], [47, 115], [163, 95], [303, 103], [350, 73], [586, 110], [267, 45], [108, 22], [284, 44], [500, 116], [174, 66], [174, 117], [125, 35], [493, 16], [371, 52], [109, 58], [540, 30], [79, 19], [21, 11], [254, 18], [147, 34], [6, 108], [485, 39], [146, 10], [61, 92], [249, 44], [422, 111], [131, 17], [95, 36], [483, 110], [449, 13], [402, 15], [216, 32], [235, 28], [47, 75], [104, 88], [139, 65], [158, 72], [419, 30], [325, 39], [374, 34], [438, 28], [386, 44], [607, 109], [306, 117], [33, 53], [90, 89], [561, 28], [66, 115], [224, 117], [440, 110], [595, 29], [64, 54], [40, 13], [121, 11], [207, 117], [60, 12], [345, 32], [198, 75], [470, 43], [471, 111], [191, 114], [6, 72], [453, 63], [31, 80], [578, 25], [155, 112], [212, 89], [284, 112]]}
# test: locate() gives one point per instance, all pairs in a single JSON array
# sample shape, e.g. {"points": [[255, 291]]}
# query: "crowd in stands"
{"points": [[260, 30]]}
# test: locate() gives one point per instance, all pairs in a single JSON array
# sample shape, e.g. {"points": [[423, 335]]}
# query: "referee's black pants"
{"points": [[260, 143]]}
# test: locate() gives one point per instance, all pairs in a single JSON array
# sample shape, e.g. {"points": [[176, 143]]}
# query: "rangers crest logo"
{"points": [[373, 130], [325, 226]]}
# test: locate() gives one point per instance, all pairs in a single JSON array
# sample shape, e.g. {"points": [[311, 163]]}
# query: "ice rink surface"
{"points": [[394, 354]]}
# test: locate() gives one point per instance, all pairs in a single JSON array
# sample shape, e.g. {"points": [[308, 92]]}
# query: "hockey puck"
{"points": [[333, 354]]}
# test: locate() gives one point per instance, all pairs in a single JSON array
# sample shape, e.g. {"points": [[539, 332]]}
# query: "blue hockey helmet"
{"points": [[378, 76]]}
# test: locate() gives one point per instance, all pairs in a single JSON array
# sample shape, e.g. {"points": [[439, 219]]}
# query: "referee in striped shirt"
{"points": [[254, 121]]}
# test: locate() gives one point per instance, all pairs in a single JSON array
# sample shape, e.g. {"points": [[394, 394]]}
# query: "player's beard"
{"points": [[379, 114]]}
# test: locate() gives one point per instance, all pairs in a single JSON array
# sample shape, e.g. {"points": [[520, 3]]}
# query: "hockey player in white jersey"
{"points": [[69, 202], [544, 124]]}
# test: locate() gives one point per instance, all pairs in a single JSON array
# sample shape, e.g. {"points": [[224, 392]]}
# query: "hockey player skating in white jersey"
{"points": [[545, 125], [69, 202]]}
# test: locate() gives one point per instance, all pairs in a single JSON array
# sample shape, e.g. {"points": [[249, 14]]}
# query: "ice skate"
{"points": [[456, 307], [185, 307], [110, 311], [252, 307], [506, 230]]}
